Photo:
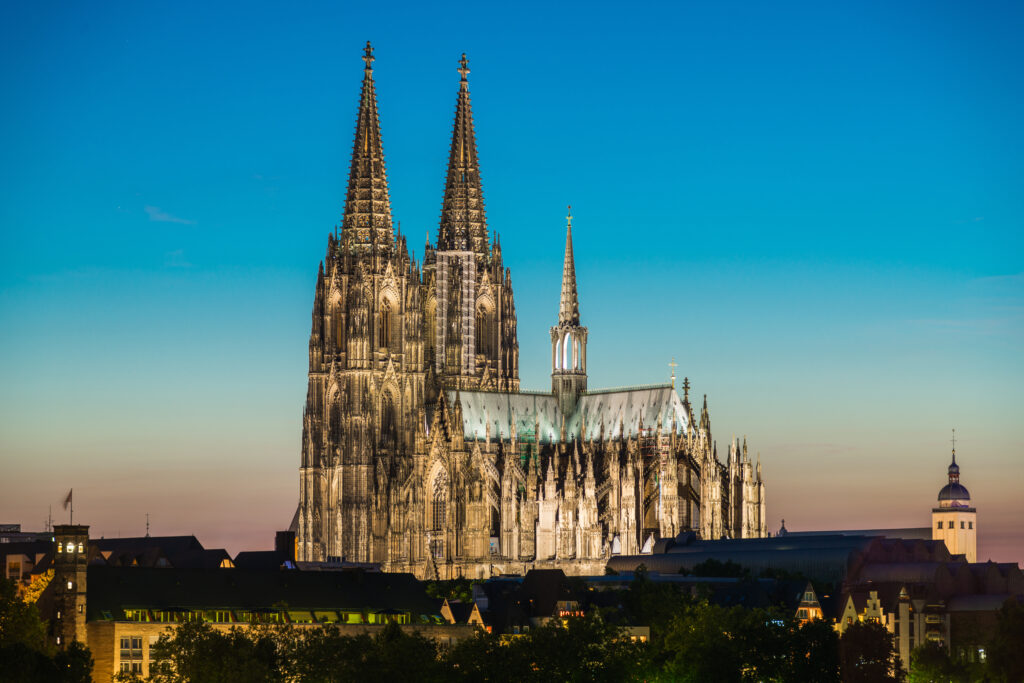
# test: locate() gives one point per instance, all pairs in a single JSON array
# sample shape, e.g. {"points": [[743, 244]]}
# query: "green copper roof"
{"points": [[531, 412]]}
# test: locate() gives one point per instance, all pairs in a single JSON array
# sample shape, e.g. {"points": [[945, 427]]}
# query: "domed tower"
{"points": [[954, 520]]}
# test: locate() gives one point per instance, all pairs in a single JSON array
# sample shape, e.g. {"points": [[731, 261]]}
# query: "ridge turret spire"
{"points": [[569, 305]]}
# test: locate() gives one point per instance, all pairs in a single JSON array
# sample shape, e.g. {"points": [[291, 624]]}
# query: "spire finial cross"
{"points": [[464, 67], [368, 56], [568, 215], [953, 441], [673, 365]]}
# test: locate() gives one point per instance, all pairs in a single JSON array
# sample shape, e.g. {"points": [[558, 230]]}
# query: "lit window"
{"points": [[70, 585], [80, 548], [60, 547], [58, 614], [71, 547], [58, 640]]}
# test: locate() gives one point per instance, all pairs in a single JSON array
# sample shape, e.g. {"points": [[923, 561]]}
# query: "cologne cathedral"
{"points": [[419, 450]]}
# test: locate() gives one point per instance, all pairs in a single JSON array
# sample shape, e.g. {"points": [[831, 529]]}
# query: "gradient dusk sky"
{"points": [[816, 208]]}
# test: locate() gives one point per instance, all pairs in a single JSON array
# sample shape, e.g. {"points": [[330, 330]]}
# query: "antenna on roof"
{"points": [[147, 525]]}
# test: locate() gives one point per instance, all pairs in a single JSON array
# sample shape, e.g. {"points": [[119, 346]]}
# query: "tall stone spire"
{"points": [[569, 306], [367, 218], [463, 222]]}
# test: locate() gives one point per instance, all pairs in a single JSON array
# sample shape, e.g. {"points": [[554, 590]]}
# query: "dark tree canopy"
{"points": [[867, 653], [26, 655]]}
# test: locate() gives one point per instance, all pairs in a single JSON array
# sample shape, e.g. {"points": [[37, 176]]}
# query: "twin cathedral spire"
{"points": [[463, 222], [367, 218]]}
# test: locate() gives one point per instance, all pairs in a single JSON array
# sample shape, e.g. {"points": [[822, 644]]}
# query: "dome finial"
{"points": [[953, 440]]}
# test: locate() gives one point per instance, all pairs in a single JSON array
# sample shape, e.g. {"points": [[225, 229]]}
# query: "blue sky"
{"points": [[815, 208]]}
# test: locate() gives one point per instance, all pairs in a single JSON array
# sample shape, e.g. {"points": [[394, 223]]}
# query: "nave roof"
{"points": [[529, 412]]}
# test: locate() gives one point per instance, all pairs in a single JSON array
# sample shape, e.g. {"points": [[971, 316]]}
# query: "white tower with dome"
{"points": [[955, 520]]}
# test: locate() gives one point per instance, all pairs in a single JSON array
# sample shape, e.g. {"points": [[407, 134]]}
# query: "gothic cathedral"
{"points": [[420, 452]]}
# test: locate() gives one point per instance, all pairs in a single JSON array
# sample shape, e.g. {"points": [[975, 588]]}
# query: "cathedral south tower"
{"points": [[469, 311]]}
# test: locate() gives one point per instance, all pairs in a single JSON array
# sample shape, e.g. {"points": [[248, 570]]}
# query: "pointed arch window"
{"points": [[439, 503], [479, 329], [384, 324], [485, 331], [388, 426], [431, 321], [339, 329]]}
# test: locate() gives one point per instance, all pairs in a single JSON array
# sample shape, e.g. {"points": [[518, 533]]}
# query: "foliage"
{"points": [[26, 653], [198, 653], [455, 589], [693, 640], [31, 593], [812, 653], [1006, 653], [583, 649], [20, 624], [867, 653], [930, 663]]}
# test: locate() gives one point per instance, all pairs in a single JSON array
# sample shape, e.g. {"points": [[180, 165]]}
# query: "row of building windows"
{"points": [[269, 617], [131, 654], [949, 525], [483, 330]]}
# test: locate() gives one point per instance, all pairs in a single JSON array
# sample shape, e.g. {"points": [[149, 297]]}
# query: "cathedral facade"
{"points": [[419, 450]]}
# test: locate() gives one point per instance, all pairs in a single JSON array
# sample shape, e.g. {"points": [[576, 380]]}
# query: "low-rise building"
{"points": [[119, 612]]}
